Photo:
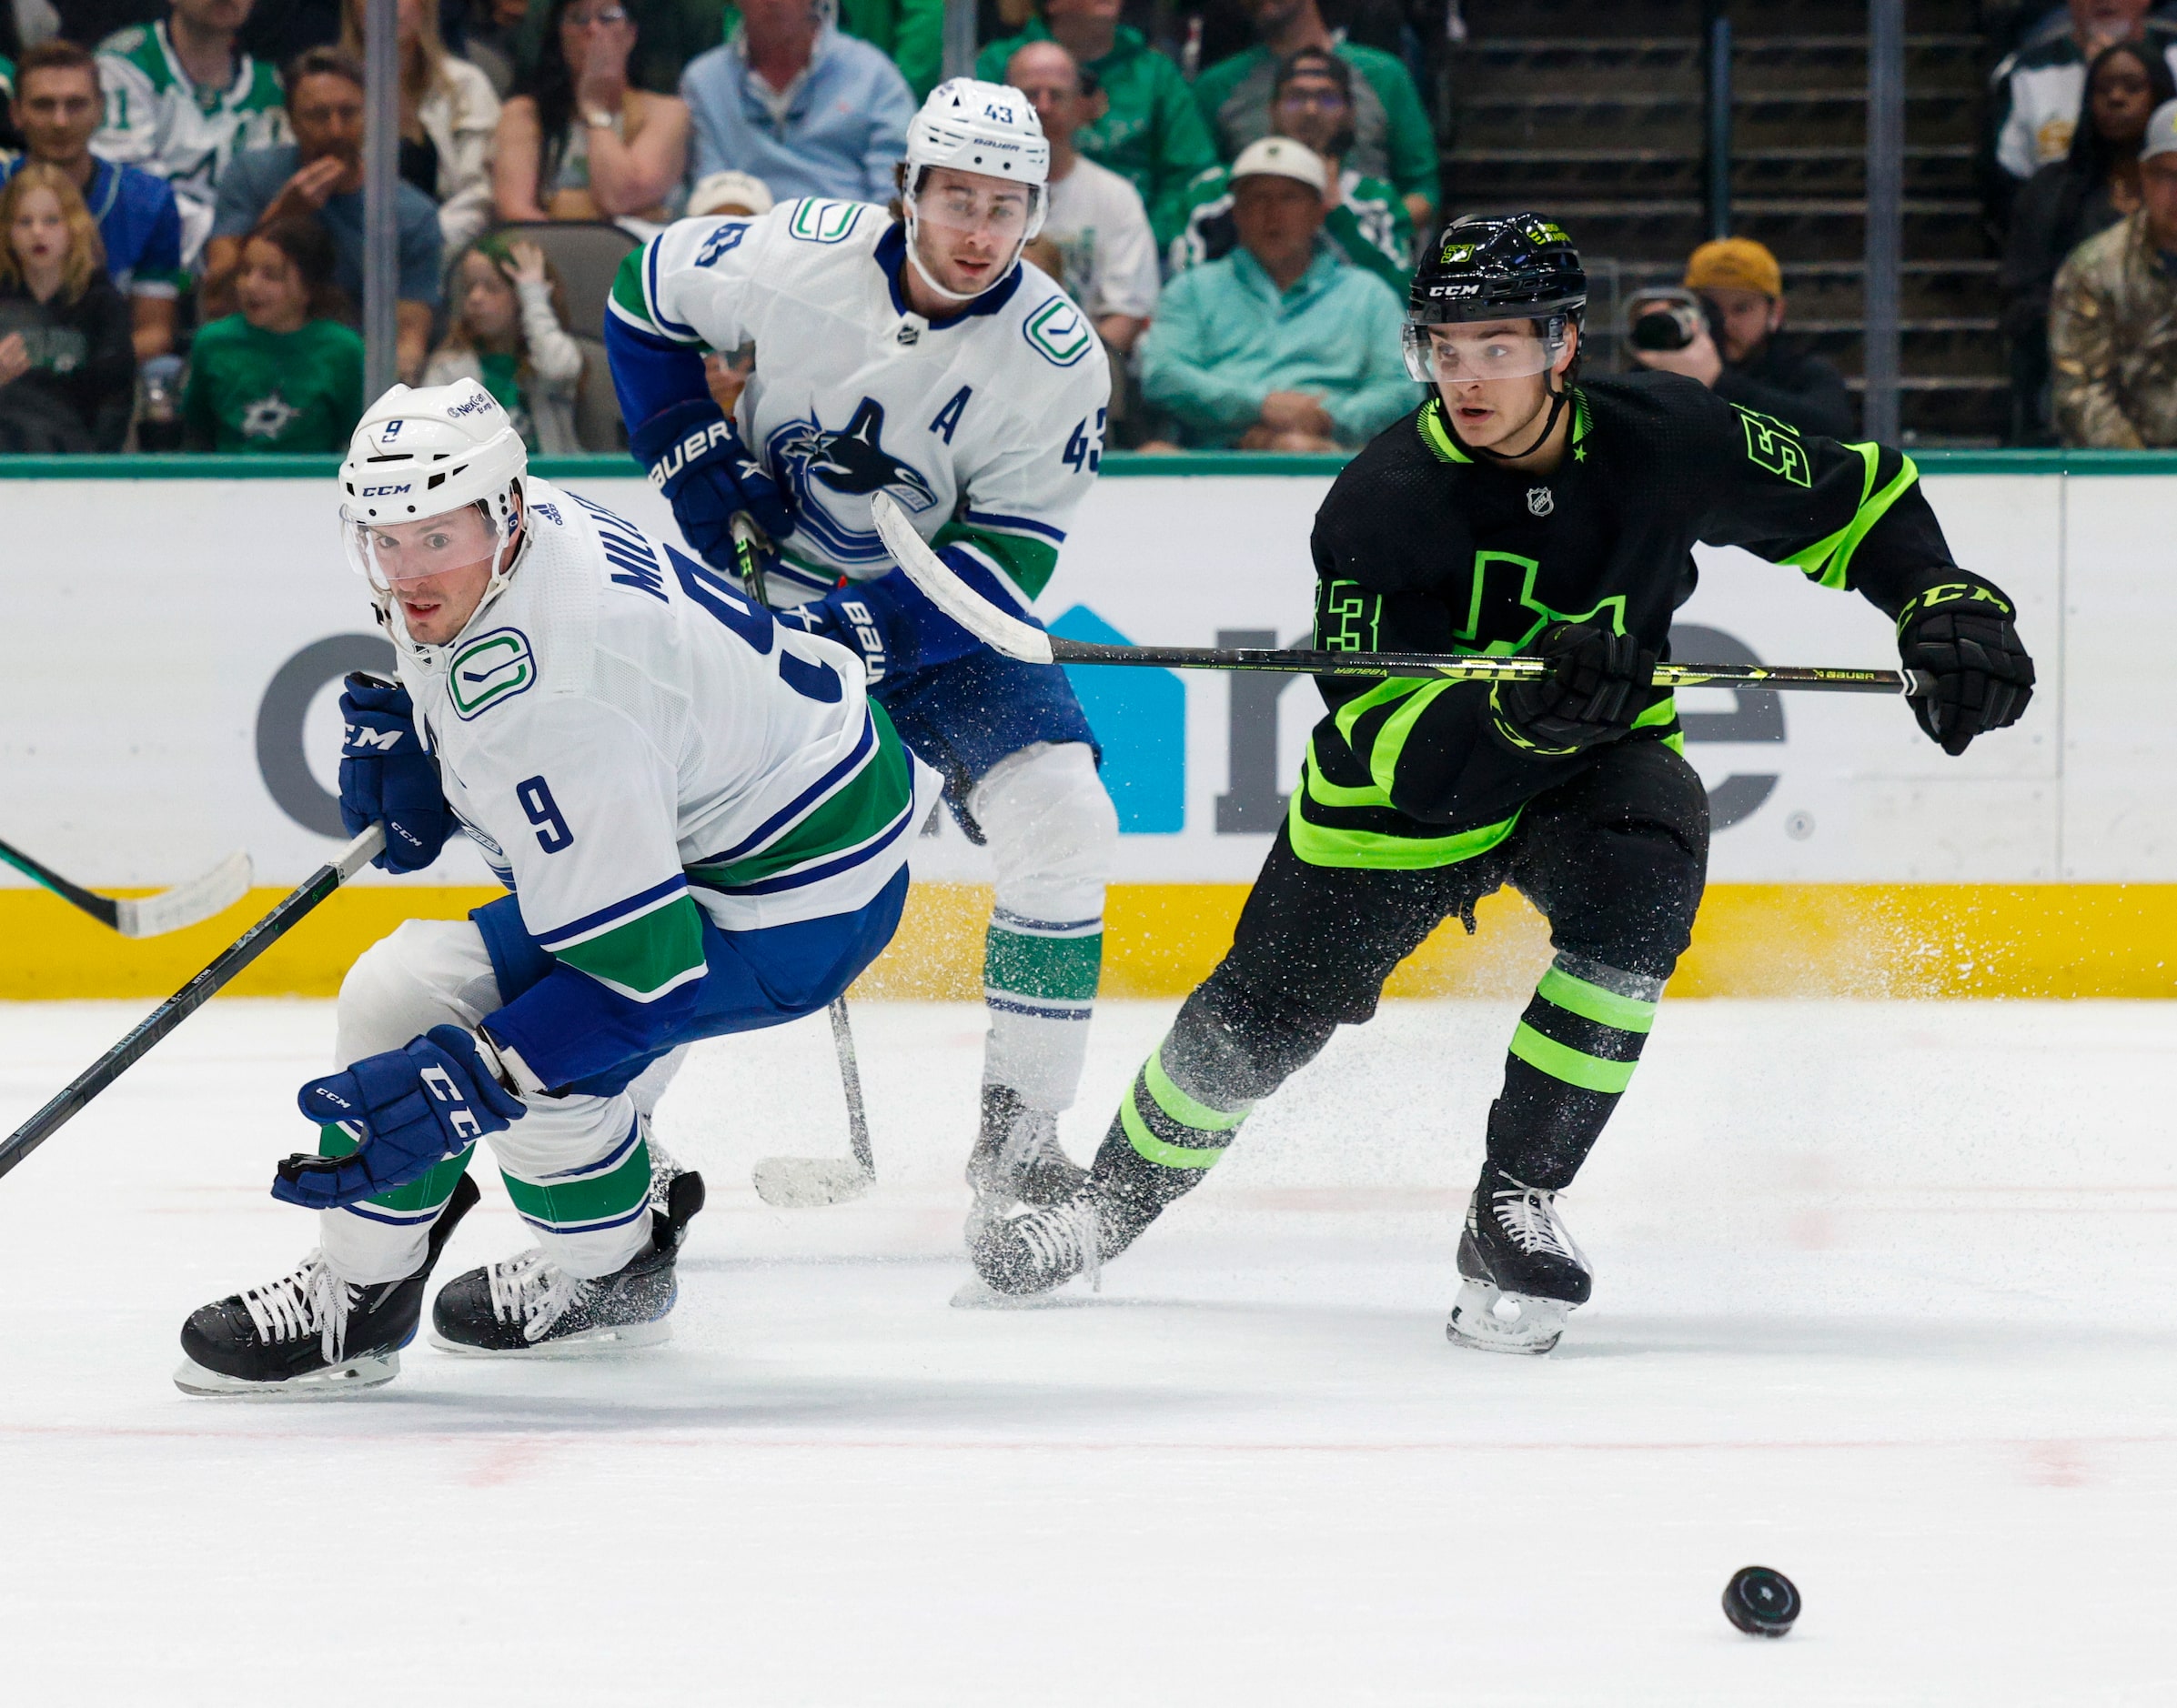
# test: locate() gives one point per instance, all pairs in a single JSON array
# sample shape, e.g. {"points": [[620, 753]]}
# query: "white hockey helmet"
{"points": [[424, 451], [986, 128]]}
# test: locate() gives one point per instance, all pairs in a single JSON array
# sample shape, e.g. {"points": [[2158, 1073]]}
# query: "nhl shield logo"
{"points": [[1540, 501]]}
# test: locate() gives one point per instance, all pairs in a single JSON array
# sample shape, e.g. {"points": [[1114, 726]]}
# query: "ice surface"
{"points": [[1884, 1300]]}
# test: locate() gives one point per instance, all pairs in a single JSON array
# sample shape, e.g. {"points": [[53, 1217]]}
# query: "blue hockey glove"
{"points": [[417, 1105], [879, 620], [698, 460], [385, 777]]}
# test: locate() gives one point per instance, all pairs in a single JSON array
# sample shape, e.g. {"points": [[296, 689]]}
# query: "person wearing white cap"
{"points": [[2113, 316], [1280, 344]]}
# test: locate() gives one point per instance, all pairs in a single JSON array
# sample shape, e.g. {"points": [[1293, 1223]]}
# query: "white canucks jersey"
{"points": [[986, 427], [628, 738], [156, 118]]}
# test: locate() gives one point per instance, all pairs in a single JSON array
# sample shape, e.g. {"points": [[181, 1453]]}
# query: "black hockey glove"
{"points": [[1961, 633], [1598, 684]]}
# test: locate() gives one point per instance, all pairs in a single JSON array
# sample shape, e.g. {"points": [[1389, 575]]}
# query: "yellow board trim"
{"points": [[1162, 940]]}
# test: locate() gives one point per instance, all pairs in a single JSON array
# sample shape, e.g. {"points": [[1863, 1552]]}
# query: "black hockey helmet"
{"points": [[1496, 267]]}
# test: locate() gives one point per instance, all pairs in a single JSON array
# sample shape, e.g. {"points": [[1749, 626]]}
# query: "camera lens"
{"points": [[1660, 329]]}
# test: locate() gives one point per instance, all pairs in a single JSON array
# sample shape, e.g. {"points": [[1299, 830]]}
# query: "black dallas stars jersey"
{"points": [[1421, 547]]}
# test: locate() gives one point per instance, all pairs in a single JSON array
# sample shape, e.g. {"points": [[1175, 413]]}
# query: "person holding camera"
{"points": [[1723, 329]]}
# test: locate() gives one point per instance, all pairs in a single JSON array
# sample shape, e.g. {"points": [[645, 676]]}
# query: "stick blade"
{"points": [[186, 904], [810, 1183], [949, 593]]}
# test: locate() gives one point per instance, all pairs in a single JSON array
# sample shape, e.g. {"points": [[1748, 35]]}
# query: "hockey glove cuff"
{"points": [[411, 1108], [1961, 633], [875, 618], [1598, 683], [387, 777], [698, 459]]}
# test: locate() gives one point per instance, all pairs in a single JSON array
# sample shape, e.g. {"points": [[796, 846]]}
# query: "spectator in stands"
{"points": [[510, 335], [668, 34], [807, 110], [1368, 221], [577, 141], [448, 114], [912, 32], [1392, 137], [1280, 346], [2036, 91], [1748, 359], [320, 176], [67, 367], [284, 374], [2113, 318], [1150, 131], [2063, 204], [24, 24], [181, 98], [490, 39], [727, 372], [57, 106], [1096, 223]]}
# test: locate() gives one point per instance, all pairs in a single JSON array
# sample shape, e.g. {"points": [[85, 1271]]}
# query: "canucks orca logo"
{"points": [[824, 466]]}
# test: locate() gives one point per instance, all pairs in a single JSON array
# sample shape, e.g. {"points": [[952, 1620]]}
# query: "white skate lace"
{"points": [[1034, 1137], [535, 1292], [311, 1301], [1529, 1217], [1064, 1240]]}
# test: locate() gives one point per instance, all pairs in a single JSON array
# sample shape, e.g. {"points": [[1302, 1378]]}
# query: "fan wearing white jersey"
{"points": [[703, 820], [920, 356]]}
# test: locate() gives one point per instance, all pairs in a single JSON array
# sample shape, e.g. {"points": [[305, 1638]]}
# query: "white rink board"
{"points": [[153, 618]]}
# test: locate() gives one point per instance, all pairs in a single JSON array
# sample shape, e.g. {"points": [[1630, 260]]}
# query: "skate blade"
{"points": [[333, 1383], [977, 1294], [1532, 1326], [810, 1183], [623, 1337]]}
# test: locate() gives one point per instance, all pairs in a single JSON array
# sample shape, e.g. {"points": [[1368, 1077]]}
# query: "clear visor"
{"points": [[1001, 212], [390, 553], [1448, 355]]}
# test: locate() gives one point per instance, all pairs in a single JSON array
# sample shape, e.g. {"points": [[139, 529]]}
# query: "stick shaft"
{"points": [[72, 1099], [849, 1075], [101, 907], [1478, 668]]}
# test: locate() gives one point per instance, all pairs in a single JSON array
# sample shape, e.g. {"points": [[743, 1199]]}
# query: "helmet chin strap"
{"points": [[1558, 397], [505, 545], [914, 259]]}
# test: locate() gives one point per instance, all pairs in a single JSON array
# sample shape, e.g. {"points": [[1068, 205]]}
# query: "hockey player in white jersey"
{"points": [[920, 356], [704, 821]]}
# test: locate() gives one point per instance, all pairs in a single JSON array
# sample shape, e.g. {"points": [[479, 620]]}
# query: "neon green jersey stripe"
{"points": [[1661, 712], [1575, 1066], [1390, 741], [1389, 689], [1592, 1002], [1182, 1107], [1327, 844], [1152, 1149]]}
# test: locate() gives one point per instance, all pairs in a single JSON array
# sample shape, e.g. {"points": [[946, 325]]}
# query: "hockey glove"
{"points": [[698, 460], [1961, 632], [387, 777], [1599, 682], [875, 618], [417, 1105]]}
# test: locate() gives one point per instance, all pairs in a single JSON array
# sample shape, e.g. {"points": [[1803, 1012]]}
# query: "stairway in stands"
{"points": [[1593, 111]]}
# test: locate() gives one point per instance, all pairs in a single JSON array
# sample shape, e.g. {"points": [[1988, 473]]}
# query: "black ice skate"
{"points": [[310, 1334], [529, 1305], [1017, 1157], [1523, 1273]]}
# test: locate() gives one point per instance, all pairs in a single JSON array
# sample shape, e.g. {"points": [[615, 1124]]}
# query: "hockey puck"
{"points": [[1761, 1602]]}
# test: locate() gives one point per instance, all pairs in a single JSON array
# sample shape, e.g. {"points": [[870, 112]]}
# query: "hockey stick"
{"points": [[145, 916], [1032, 645], [809, 1183], [178, 1008]]}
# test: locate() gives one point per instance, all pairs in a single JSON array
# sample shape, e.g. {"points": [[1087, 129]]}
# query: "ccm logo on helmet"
{"points": [[386, 492], [688, 449]]}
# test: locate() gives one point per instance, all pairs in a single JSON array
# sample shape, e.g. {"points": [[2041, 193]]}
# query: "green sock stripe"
{"points": [[1182, 1107], [426, 1191], [1055, 969], [1575, 1066], [598, 1198], [1151, 1149], [1592, 1002]]}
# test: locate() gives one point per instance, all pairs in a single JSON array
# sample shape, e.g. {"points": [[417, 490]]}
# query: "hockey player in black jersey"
{"points": [[1517, 511]]}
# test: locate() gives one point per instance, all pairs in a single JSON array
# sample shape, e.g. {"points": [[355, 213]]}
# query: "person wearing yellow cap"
{"points": [[1738, 353]]}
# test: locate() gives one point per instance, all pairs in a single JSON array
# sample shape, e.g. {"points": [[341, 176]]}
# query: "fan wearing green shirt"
{"points": [[283, 374], [1150, 132], [1365, 220], [1392, 137]]}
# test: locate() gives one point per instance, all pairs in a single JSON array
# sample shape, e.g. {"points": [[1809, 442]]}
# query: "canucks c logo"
{"points": [[824, 466]]}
